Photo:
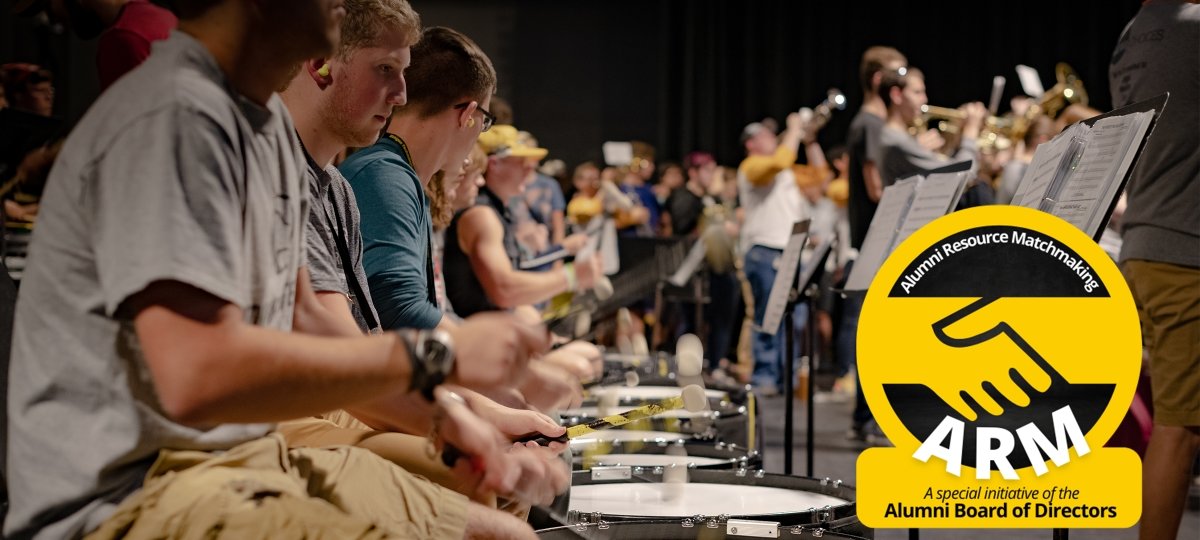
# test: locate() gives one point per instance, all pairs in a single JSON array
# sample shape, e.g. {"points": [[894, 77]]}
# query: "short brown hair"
{"points": [[896, 79], [874, 60], [447, 67], [365, 20]]}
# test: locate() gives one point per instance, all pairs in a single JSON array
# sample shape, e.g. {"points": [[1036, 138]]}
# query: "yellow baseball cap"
{"points": [[505, 141]]}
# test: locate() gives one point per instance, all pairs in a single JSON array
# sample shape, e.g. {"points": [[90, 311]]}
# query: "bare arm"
{"points": [[481, 236], [209, 366], [873, 181]]}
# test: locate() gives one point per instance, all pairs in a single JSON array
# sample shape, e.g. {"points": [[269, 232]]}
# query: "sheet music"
{"points": [[937, 195], [1040, 172], [784, 278], [877, 245], [1088, 192]]}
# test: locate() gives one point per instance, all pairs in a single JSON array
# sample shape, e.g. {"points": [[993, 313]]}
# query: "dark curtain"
{"points": [[688, 74], [729, 63]]}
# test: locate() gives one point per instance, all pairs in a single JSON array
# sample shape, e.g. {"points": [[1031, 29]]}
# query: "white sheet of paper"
{"points": [[785, 276], [1031, 82], [618, 153], [880, 235], [1089, 191], [937, 195]]}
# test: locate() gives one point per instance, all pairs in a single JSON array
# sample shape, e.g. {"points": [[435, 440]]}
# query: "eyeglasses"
{"points": [[488, 118]]}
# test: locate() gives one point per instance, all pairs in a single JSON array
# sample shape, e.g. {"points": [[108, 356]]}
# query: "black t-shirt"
{"points": [[863, 136], [463, 288], [685, 209]]}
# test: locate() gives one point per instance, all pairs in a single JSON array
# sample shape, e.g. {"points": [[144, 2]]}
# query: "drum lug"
{"points": [[752, 528], [825, 481], [760, 473], [741, 472], [686, 523], [817, 533], [657, 471], [612, 473], [826, 514], [639, 470], [837, 483]]}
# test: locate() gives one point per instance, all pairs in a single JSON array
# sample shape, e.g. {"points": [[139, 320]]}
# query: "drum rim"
{"points": [[838, 514]]}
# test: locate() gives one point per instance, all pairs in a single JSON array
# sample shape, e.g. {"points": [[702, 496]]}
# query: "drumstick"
{"points": [[691, 398], [629, 378]]}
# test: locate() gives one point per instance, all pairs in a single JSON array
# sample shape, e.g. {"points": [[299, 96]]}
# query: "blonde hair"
{"points": [[365, 20]]}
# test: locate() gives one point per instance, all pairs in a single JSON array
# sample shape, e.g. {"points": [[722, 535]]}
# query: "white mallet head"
{"points": [[603, 289], [694, 399]]}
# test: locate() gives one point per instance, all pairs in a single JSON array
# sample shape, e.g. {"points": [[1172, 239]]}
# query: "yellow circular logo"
{"points": [[995, 333]]}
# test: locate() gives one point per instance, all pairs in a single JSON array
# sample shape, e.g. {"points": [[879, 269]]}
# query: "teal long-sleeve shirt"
{"points": [[396, 232]]}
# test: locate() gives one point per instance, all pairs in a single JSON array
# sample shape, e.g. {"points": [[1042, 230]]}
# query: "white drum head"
{"points": [[653, 460], [655, 393], [672, 500]]}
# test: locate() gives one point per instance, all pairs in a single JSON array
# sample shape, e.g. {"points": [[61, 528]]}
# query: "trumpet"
{"points": [[996, 133], [834, 99]]}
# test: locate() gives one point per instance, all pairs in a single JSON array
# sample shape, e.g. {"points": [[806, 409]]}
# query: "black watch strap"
{"points": [[430, 367]]}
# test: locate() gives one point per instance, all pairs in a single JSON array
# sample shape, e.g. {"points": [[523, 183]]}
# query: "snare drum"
{"points": [[615, 494], [685, 529], [658, 449], [727, 421]]}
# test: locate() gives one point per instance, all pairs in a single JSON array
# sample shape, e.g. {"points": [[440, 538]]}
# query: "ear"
{"points": [[320, 70], [466, 115], [876, 78], [897, 95]]}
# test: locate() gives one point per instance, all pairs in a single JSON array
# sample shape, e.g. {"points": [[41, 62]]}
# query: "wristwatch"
{"points": [[431, 353]]}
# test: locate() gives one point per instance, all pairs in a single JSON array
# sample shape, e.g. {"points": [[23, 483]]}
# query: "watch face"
{"points": [[438, 351]]}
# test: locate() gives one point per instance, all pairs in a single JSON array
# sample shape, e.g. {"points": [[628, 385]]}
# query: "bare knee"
{"points": [[484, 523]]}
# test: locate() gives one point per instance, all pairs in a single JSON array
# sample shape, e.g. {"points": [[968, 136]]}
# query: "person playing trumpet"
{"points": [[899, 154]]}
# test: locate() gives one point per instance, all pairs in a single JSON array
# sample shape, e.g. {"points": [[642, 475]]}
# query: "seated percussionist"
{"points": [[481, 253]]}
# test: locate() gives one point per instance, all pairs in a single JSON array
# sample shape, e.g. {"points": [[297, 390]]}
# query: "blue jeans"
{"points": [[768, 350], [847, 351]]}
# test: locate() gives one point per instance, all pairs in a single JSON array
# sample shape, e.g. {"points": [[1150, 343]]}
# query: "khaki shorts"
{"points": [[408, 451], [261, 489], [1168, 300]]}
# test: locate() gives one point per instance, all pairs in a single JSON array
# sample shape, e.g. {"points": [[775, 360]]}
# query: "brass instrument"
{"points": [[1067, 90], [1003, 132], [834, 99]]}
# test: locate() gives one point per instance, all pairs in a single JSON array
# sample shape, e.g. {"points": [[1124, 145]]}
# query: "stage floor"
{"points": [[835, 457]]}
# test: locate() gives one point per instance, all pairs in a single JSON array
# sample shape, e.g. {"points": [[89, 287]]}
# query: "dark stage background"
{"points": [[687, 75]]}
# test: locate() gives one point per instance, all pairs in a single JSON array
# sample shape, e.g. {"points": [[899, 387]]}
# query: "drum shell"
{"points": [[670, 530]]}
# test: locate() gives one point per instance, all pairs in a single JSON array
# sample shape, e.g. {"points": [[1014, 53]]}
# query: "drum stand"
{"points": [[794, 299]]}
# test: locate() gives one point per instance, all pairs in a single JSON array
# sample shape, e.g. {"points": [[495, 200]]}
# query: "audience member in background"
{"points": [[670, 178], [587, 202], [126, 28], [540, 215], [28, 88]]}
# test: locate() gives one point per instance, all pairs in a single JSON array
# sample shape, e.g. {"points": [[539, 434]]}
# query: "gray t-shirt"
{"points": [[171, 175], [899, 155], [1160, 52], [335, 212]]}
